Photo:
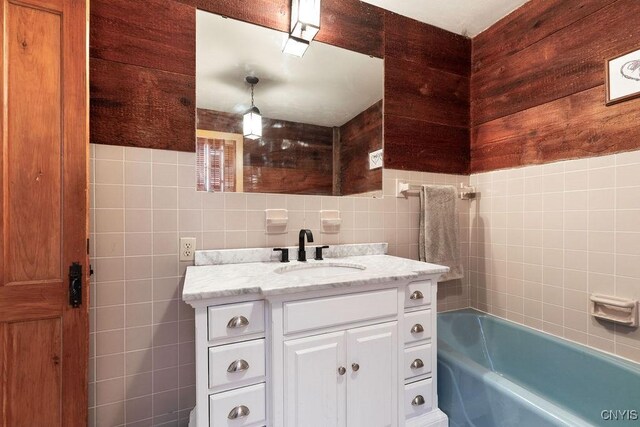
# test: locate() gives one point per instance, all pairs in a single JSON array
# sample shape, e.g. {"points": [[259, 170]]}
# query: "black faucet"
{"points": [[302, 254]]}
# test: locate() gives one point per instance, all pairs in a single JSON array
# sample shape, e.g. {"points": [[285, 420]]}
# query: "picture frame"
{"points": [[622, 77]]}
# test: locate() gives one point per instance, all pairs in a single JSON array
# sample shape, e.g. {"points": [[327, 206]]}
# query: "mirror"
{"points": [[321, 115]]}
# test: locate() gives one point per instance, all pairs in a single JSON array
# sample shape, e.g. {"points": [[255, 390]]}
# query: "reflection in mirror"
{"points": [[314, 124]]}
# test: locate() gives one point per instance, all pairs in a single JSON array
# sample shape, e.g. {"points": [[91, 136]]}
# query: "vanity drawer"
{"points": [[417, 398], [417, 361], [236, 320], [339, 310], [418, 294], [417, 326], [244, 407], [233, 365]]}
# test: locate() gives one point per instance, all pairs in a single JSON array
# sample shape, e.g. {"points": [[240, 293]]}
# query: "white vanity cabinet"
{"points": [[352, 374], [344, 357]]}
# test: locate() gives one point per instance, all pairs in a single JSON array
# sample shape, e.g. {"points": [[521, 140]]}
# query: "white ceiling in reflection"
{"points": [[327, 87], [466, 17]]}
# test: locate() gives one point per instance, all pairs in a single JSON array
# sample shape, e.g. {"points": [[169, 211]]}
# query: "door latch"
{"points": [[75, 285]]}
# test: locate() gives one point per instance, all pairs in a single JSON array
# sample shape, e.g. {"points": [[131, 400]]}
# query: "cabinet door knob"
{"points": [[237, 322], [417, 364], [238, 366], [416, 295], [418, 400], [239, 412], [355, 367], [342, 370], [417, 328]]}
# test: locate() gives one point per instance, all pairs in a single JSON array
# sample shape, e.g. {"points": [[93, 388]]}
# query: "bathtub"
{"points": [[492, 372]]}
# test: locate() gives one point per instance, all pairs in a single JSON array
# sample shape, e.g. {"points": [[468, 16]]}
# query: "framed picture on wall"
{"points": [[623, 77]]}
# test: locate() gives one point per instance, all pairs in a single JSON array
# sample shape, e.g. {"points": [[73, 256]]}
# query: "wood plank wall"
{"points": [[291, 158], [426, 104], [537, 85], [358, 137], [143, 74]]}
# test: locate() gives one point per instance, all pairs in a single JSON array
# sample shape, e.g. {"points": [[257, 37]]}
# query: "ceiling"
{"points": [[466, 17], [327, 87]]}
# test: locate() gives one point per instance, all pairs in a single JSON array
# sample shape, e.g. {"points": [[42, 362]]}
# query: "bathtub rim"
{"points": [[621, 361], [492, 379]]}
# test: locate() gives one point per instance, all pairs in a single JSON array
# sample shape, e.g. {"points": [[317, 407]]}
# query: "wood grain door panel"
{"points": [[33, 353], [43, 223], [34, 164]]}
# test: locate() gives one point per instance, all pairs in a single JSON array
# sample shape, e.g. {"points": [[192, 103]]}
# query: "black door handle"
{"points": [[75, 285]]}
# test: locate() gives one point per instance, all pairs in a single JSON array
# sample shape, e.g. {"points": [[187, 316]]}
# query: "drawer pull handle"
{"points": [[417, 364], [417, 328], [342, 370], [416, 295], [238, 366], [237, 322], [355, 367], [239, 412], [418, 400]]}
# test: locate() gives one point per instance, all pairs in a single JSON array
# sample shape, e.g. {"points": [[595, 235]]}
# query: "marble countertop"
{"points": [[262, 278]]}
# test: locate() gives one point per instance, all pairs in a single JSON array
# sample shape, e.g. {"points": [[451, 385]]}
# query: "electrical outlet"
{"points": [[187, 248]]}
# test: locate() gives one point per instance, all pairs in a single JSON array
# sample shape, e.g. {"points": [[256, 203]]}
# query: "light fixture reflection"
{"points": [[252, 120], [295, 46]]}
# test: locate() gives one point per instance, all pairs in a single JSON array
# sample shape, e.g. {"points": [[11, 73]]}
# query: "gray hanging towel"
{"points": [[439, 229]]}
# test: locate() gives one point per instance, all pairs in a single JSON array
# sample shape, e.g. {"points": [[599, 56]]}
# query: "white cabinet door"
{"points": [[314, 390], [372, 389]]}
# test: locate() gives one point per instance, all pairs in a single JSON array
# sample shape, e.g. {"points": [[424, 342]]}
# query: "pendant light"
{"points": [[252, 120]]}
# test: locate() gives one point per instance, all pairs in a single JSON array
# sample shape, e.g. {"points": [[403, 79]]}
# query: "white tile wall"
{"points": [[543, 238], [142, 200]]}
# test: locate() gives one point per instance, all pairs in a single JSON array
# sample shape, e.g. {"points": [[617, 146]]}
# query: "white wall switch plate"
{"points": [[187, 248], [375, 159]]}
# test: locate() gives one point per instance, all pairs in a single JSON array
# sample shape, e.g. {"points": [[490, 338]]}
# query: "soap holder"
{"points": [[276, 221], [614, 309], [330, 221]]}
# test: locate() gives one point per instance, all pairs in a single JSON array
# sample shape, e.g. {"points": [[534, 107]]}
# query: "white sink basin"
{"points": [[320, 270]]}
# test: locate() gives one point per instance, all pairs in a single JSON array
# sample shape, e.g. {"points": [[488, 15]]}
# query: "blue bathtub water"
{"points": [[494, 373]]}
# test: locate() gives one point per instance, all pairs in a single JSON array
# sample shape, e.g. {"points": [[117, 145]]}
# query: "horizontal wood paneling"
{"points": [[142, 81], [429, 94], [421, 146], [350, 24], [576, 126], [160, 35], [290, 157], [358, 137], [267, 13], [218, 121], [287, 180], [527, 25], [567, 61], [353, 25], [410, 40], [537, 96], [141, 107], [426, 101]]}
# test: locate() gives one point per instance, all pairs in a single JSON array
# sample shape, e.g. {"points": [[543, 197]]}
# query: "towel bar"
{"points": [[404, 189]]}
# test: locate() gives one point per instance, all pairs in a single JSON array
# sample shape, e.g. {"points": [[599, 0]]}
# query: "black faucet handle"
{"points": [[285, 254], [319, 252]]}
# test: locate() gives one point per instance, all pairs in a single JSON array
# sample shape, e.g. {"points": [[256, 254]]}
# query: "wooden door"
{"points": [[372, 385], [43, 225], [314, 389]]}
